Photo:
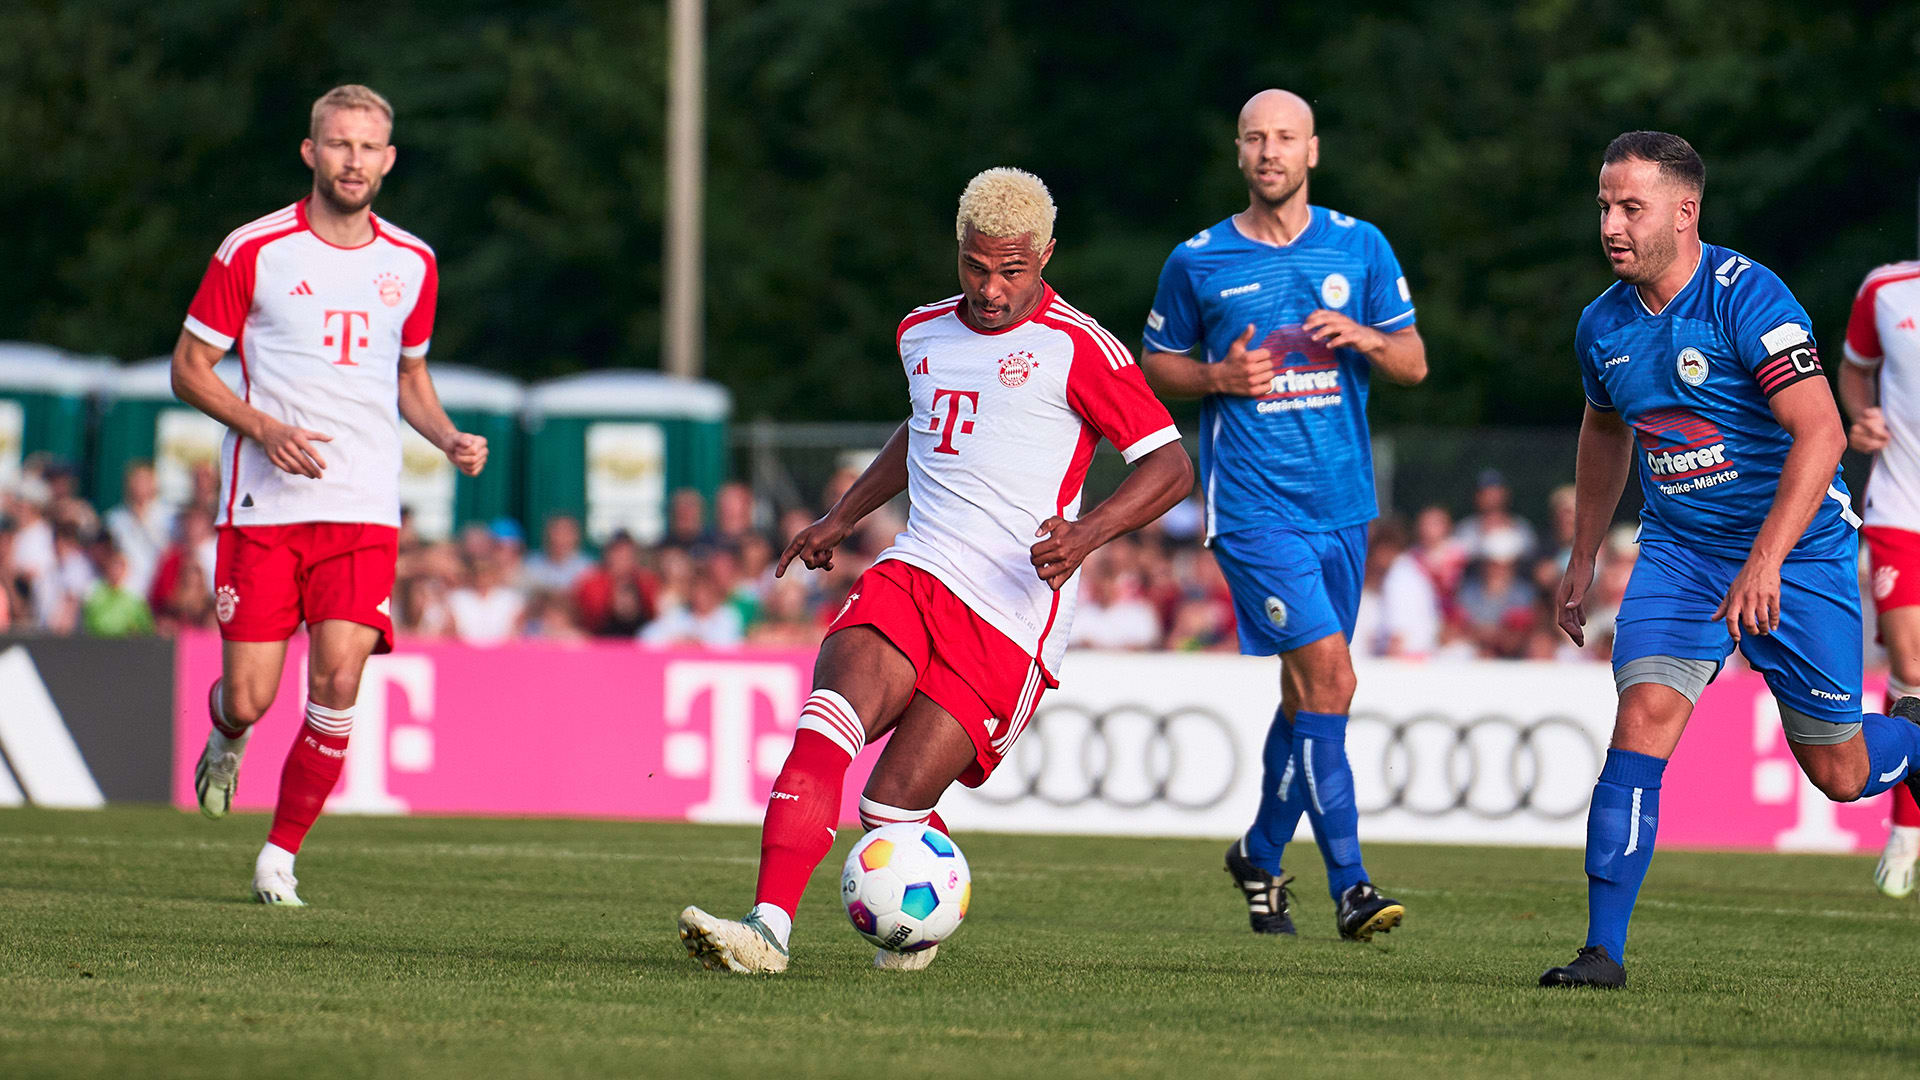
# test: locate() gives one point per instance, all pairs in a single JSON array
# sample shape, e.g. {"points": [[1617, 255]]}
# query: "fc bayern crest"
{"points": [[1692, 365], [1015, 367], [225, 601], [392, 289]]}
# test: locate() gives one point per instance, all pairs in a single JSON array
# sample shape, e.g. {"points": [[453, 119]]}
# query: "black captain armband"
{"points": [[1788, 364]]}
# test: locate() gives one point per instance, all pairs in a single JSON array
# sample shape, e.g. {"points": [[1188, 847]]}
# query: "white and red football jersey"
{"points": [[1884, 332], [320, 331], [1004, 426]]}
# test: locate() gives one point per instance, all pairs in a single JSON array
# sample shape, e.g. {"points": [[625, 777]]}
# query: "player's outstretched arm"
{"points": [[883, 479], [1806, 410], [1599, 475], [1161, 478], [1243, 372], [194, 382], [420, 405]]}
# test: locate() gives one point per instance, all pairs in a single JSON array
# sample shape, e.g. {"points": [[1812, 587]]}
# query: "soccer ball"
{"points": [[906, 887]]}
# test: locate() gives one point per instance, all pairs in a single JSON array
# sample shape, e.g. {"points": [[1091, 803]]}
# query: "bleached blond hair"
{"points": [[350, 96], [1006, 203]]}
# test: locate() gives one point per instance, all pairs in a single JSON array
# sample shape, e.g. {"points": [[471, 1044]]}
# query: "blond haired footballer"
{"points": [[953, 635], [328, 310]]}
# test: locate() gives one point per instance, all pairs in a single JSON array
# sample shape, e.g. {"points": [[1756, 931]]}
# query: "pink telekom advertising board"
{"points": [[611, 730], [595, 730]]}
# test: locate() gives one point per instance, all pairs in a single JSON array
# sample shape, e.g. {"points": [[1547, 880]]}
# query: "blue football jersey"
{"points": [[1694, 383], [1298, 457]]}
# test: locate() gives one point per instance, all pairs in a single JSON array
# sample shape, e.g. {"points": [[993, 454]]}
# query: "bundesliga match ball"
{"points": [[906, 887]]}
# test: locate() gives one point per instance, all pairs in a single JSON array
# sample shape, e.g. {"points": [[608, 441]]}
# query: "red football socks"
{"points": [[804, 806], [313, 768]]}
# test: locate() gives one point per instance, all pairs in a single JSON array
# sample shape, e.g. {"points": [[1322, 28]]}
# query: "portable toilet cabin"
{"points": [[441, 500], [609, 447], [45, 404], [140, 419]]}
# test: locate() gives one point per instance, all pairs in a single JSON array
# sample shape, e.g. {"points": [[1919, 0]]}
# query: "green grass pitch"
{"points": [[494, 949]]}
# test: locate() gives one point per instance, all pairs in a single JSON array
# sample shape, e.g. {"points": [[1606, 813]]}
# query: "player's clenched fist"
{"points": [[291, 448], [814, 545], [468, 453], [1244, 372], [1869, 435], [1064, 545]]}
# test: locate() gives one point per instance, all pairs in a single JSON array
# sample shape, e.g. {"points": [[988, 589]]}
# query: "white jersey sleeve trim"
{"points": [[1156, 346], [1148, 444], [1407, 314], [1597, 405], [208, 334], [1854, 358], [416, 351]]}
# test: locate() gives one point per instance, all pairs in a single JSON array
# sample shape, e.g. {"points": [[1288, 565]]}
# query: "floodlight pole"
{"points": [[683, 301]]}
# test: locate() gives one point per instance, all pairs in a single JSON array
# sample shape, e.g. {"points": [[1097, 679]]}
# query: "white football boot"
{"points": [[218, 772], [1895, 874], [747, 946], [888, 960], [273, 880]]}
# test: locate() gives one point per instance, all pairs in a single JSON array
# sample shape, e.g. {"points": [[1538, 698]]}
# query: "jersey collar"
{"points": [[1313, 224], [300, 214], [1641, 303]]}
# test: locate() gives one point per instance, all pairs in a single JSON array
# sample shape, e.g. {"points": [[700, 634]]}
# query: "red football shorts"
{"points": [[963, 664], [1894, 557], [268, 579]]}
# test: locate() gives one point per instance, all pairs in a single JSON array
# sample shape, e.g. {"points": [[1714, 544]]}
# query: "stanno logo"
{"points": [[1728, 272], [1240, 290], [1200, 238], [1621, 359], [1830, 697]]}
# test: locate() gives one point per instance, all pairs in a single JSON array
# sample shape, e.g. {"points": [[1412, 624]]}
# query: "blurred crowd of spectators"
{"points": [[1434, 587]]}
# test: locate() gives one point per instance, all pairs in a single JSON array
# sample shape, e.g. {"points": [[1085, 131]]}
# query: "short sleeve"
{"points": [[1772, 335], [1863, 347], [1590, 383], [219, 309], [1107, 390], [1389, 299], [1173, 324], [417, 332]]}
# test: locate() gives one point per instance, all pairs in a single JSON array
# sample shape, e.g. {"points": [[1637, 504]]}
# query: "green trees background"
{"points": [[133, 136]]}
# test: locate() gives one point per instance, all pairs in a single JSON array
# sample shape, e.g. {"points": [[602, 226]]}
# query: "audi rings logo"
{"points": [[1492, 766], [1431, 765], [1127, 757]]}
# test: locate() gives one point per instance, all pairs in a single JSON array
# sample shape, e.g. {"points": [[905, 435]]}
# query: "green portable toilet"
{"points": [[45, 402], [441, 500], [141, 419], [610, 446]]}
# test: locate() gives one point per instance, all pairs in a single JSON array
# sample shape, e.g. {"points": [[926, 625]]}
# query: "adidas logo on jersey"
{"points": [[921, 367], [302, 289], [1907, 324]]}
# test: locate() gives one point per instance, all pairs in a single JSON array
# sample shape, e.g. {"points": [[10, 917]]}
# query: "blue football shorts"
{"points": [[1292, 587], [1812, 663]]}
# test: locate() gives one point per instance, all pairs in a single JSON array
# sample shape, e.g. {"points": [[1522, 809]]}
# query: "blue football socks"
{"points": [[1320, 752], [1620, 828], [1893, 747], [1281, 801]]}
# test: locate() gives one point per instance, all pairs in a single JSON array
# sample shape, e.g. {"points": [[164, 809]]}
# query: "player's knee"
{"points": [[335, 688], [242, 705], [1839, 781]]}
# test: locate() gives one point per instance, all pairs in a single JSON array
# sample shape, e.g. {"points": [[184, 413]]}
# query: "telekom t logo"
{"points": [[348, 342], [958, 402]]}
